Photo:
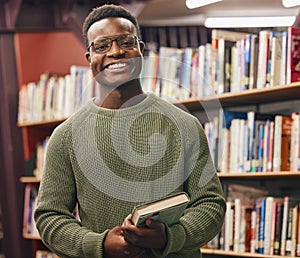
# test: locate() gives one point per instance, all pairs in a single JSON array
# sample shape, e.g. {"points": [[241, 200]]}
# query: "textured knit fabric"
{"points": [[108, 161]]}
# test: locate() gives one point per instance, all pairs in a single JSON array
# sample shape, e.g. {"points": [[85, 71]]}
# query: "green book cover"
{"points": [[167, 210]]}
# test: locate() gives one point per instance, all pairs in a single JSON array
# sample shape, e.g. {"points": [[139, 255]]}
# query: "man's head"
{"points": [[107, 11], [114, 48]]}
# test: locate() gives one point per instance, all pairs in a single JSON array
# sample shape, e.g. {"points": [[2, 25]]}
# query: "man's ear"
{"points": [[88, 56], [142, 46]]}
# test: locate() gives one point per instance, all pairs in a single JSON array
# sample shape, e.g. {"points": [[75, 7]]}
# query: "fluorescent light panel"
{"points": [[290, 3], [241, 22], [191, 4]]}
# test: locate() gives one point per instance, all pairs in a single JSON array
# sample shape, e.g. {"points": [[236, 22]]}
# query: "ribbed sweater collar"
{"points": [[129, 111]]}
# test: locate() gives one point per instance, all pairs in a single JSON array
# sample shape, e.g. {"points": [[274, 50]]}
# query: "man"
{"points": [[123, 148]]}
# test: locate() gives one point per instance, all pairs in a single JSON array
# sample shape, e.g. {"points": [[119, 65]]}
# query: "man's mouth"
{"points": [[115, 66]]}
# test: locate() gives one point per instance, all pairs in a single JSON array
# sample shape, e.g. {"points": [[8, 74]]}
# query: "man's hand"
{"points": [[153, 235], [115, 246]]}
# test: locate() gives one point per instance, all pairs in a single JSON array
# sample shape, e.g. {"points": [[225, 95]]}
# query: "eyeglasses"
{"points": [[103, 45]]}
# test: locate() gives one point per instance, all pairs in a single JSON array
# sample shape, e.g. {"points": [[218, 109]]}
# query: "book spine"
{"points": [[253, 232], [278, 228], [261, 239]]}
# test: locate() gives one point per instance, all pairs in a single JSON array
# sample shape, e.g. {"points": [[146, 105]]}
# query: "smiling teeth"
{"points": [[117, 65]]}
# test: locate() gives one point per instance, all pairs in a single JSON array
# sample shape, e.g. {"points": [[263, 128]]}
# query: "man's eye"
{"points": [[127, 43], [100, 47]]}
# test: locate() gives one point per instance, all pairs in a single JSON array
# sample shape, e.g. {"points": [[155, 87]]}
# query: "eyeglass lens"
{"points": [[126, 42]]}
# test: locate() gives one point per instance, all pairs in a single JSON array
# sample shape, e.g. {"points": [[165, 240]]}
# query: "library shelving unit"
{"points": [[277, 182], [280, 183], [38, 53], [56, 51]]}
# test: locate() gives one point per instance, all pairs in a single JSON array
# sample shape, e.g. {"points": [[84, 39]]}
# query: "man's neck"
{"points": [[121, 97]]}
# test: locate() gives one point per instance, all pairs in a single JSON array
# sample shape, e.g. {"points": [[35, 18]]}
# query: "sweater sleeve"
{"points": [[204, 217], [58, 228]]}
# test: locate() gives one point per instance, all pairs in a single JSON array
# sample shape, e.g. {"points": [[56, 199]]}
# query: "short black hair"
{"points": [[107, 11]]}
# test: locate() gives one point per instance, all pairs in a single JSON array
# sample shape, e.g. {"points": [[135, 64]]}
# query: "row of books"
{"points": [[30, 198], [270, 226], [240, 142], [232, 62], [54, 96], [253, 142], [44, 254], [40, 158]]}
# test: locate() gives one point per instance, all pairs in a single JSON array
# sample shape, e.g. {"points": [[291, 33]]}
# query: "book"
{"points": [[167, 210], [262, 66], [278, 228], [286, 234], [261, 205], [293, 55], [286, 134], [228, 226]]}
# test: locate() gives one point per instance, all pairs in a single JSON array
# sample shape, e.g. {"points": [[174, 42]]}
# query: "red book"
{"points": [[293, 55], [286, 135]]}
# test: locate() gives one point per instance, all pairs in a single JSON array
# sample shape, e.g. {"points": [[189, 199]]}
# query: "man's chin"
{"points": [[114, 81]]}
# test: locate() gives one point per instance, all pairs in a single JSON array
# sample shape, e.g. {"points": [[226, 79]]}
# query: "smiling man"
{"points": [[123, 148]]}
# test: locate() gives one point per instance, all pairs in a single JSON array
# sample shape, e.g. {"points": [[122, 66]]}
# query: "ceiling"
{"points": [[43, 14], [166, 12]]}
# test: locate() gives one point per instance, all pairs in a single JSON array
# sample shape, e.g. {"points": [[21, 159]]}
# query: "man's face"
{"points": [[115, 54]]}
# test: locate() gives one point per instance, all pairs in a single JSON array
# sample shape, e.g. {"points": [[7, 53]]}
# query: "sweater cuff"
{"points": [[93, 244], [176, 240]]}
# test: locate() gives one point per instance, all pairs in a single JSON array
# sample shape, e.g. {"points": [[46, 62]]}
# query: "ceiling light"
{"points": [[239, 22], [191, 4], [290, 3]]}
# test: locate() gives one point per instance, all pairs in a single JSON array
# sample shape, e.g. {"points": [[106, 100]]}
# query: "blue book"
{"points": [[260, 147], [261, 235]]}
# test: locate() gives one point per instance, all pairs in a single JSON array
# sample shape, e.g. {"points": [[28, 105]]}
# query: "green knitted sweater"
{"points": [[108, 161]]}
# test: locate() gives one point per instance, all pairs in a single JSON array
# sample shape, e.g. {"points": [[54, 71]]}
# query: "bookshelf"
{"points": [[280, 182], [50, 54]]}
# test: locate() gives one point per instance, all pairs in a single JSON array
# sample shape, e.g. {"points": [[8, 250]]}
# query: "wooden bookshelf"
{"points": [[221, 253], [259, 175], [36, 131], [30, 65], [30, 180], [50, 123], [249, 97]]}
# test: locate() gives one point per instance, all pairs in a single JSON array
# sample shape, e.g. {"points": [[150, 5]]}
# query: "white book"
{"points": [[264, 37], [60, 98], [225, 151], [276, 60], [284, 225], [253, 240], [277, 143], [69, 95], [208, 87], [234, 78], [268, 224], [220, 80], [234, 145], [282, 80], [266, 144], [240, 137], [228, 234], [49, 98], [295, 142], [237, 224], [201, 67]]}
